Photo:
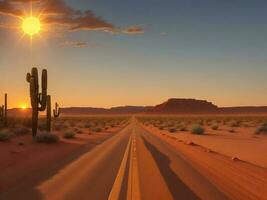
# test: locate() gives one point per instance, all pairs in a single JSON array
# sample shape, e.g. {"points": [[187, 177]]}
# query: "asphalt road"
{"points": [[134, 164]]}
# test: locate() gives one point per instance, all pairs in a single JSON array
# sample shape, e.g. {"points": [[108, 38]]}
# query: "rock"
{"points": [[235, 158]]}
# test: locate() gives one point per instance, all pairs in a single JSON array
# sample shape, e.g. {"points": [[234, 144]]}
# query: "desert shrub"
{"points": [[234, 124], [182, 128], [97, 129], [215, 127], [172, 130], [262, 129], [4, 136], [78, 131], [47, 138], [232, 130], [198, 130], [69, 135], [21, 131]]}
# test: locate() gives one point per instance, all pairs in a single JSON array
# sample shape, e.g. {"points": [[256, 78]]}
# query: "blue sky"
{"points": [[209, 49]]}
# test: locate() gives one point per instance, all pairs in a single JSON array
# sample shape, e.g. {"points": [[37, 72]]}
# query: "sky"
{"points": [[104, 53]]}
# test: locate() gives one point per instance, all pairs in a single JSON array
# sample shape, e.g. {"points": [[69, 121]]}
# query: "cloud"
{"points": [[25, 1], [58, 13], [75, 21], [7, 8], [134, 30], [58, 7], [78, 44]]}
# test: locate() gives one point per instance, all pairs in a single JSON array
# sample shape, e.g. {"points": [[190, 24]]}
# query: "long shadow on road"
{"points": [[177, 188]]}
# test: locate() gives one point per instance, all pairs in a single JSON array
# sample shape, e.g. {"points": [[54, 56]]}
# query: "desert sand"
{"points": [[235, 162]]}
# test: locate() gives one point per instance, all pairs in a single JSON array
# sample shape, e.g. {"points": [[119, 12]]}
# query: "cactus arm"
{"points": [[56, 111], [43, 95], [34, 75], [28, 77]]}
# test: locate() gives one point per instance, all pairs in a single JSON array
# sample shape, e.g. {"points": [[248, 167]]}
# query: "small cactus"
{"points": [[56, 111], [3, 112], [38, 100]]}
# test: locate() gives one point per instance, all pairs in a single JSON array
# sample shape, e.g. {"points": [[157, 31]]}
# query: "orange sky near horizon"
{"points": [[181, 49]]}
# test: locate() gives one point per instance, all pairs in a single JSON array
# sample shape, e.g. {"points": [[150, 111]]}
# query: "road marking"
{"points": [[133, 190], [116, 189]]}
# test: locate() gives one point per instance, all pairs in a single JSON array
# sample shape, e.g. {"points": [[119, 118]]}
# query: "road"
{"points": [[134, 164]]}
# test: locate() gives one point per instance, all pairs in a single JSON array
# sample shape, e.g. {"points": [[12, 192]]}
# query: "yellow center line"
{"points": [[133, 190]]}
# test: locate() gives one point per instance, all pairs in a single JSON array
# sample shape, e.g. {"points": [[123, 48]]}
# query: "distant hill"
{"points": [[184, 106], [171, 106], [113, 110], [194, 106]]}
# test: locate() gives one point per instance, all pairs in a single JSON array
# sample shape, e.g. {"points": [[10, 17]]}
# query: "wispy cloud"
{"points": [[7, 8], [134, 30], [70, 43]]}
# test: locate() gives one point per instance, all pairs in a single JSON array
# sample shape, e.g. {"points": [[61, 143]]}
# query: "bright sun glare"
{"points": [[31, 25], [23, 107]]}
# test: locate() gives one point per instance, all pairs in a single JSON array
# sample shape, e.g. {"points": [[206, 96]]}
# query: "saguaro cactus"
{"points": [[48, 114], [3, 112], [38, 100], [56, 111]]}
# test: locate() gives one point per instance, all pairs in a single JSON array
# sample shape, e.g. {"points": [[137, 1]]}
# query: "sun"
{"points": [[31, 25], [23, 107]]}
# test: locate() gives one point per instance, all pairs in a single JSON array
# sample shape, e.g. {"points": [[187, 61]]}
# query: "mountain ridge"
{"points": [[171, 106]]}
